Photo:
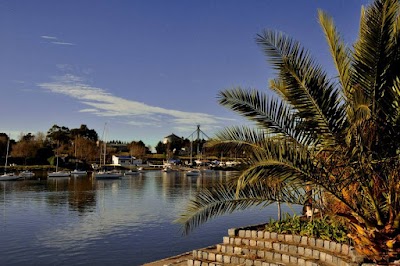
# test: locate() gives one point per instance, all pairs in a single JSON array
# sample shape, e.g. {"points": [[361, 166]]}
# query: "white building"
{"points": [[126, 160]]}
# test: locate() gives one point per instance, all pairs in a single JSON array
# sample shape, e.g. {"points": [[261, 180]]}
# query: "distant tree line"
{"points": [[83, 145], [79, 144]]}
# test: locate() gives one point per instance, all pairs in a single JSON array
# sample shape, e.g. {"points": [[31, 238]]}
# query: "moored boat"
{"points": [[8, 177], [108, 174], [131, 172], [26, 173], [77, 172], [193, 172], [59, 174]]}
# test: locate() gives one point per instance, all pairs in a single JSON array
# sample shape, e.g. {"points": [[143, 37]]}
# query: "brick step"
{"points": [[343, 251], [244, 263], [234, 244], [285, 253], [249, 257]]}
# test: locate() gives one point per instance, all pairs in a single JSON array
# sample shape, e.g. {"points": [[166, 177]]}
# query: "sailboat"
{"points": [[58, 173], [102, 173], [8, 176], [76, 171], [192, 171]]}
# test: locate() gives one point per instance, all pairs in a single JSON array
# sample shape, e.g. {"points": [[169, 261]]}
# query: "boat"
{"points": [[132, 172], [103, 173], [8, 176], [193, 172], [58, 173], [77, 172], [26, 173], [113, 174]]}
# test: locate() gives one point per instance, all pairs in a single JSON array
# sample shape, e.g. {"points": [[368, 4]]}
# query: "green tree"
{"points": [[59, 134], [338, 136], [85, 132]]}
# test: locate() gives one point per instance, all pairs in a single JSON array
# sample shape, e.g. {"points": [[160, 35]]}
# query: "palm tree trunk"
{"points": [[279, 210]]}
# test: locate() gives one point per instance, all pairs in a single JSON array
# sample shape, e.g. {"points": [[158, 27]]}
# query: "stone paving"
{"points": [[251, 246]]}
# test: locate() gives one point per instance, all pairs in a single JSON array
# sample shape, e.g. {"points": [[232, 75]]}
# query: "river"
{"points": [[128, 221]]}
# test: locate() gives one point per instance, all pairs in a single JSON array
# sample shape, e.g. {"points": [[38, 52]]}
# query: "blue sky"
{"points": [[148, 68]]}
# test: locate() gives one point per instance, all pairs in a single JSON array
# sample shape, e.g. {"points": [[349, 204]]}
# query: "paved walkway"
{"points": [[179, 260]]}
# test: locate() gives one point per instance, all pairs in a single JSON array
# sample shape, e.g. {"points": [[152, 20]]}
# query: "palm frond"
{"points": [[222, 199], [376, 55], [307, 88], [341, 54], [271, 114]]}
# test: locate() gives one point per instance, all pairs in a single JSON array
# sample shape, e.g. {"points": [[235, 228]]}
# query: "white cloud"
{"points": [[63, 43], [48, 37], [104, 104], [55, 40]]}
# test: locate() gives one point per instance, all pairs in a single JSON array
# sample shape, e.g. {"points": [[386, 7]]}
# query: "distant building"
{"points": [[126, 160], [171, 138]]}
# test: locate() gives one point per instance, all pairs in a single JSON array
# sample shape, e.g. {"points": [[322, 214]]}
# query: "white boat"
{"points": [[26, 173], [77, 172], [108, 174], [193, 172], [132, 172], [8, 176], [104, 174], [58, 173]]}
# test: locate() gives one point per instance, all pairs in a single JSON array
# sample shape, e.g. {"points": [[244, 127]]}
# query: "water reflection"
{"points": [[81, 220]]}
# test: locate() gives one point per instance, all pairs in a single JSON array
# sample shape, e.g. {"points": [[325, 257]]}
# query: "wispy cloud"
{"points": [[104, 104], [48, 37], [55, 40], [63, 43]]}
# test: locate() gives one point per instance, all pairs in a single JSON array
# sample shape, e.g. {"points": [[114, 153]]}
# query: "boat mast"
{"points": [[8, 147], [198, 131], [103, 136], [58, 144]]}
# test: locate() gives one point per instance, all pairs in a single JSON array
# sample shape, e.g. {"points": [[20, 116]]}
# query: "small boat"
{"points": [[77, 172], [193, 172], [59, 174], [8, 176], [103, 173], [132, 172], [26, 173], [108, 174]]}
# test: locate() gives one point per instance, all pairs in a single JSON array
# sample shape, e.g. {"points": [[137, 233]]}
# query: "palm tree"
{"points": [[338, 136]]}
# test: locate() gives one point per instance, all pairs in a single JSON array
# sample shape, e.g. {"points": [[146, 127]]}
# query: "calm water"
{"points": [[81, 221]]}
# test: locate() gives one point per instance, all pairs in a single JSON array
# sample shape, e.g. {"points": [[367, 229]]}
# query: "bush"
{"points": [[323, 228]]}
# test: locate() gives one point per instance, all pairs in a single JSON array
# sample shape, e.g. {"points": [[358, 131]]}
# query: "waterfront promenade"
{"points": [[252, 246]]}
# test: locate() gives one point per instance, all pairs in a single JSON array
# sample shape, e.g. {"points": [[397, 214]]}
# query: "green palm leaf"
{"points": [[223, 199], [376, 55], [271, 114], [307, 88]]}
